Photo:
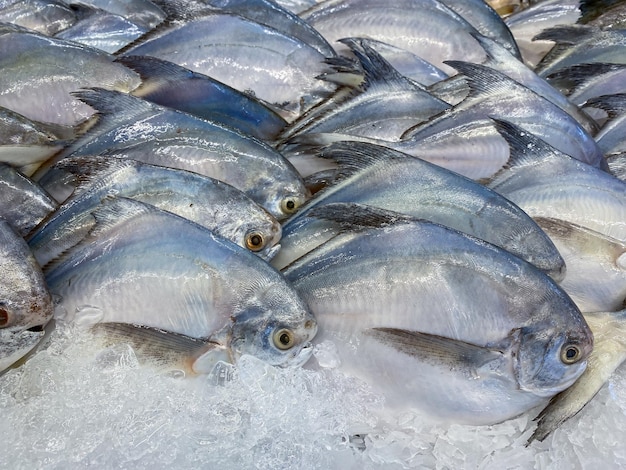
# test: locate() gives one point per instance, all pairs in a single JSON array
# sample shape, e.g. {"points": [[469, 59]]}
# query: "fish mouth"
{"points": [[301, 357], [269, 253]]}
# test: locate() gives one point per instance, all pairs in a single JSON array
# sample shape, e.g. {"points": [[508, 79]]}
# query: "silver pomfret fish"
{"points": [[133, 128], [143, 266], [26, 57], [401, 302], [25, 303], [387, 179], [201, 199]]}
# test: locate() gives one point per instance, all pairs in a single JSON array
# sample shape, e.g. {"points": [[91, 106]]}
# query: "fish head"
{"points": [[549, 360], [288, 200], [274, 327], [261, 236]]}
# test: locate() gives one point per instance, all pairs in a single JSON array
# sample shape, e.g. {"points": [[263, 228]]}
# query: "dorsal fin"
{"points": [[156, 70], [576, 75], [352, 157], [526, 148], [86, 169], [567, 34], [614, 105], [353, 216], [484, 80], [113, 211]]}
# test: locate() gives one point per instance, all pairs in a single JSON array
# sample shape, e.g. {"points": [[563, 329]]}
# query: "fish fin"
{"points": [[164, 348], [315, 141], [575, 76], [354, 156], [453, 354], [525, 146], [351, 216], [613, 105], [156, 70], [484, 80], [86, 169], [567, 34], [114, 210]]}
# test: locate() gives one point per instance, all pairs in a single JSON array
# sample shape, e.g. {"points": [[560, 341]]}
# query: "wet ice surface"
{"points": [[75, 404]]}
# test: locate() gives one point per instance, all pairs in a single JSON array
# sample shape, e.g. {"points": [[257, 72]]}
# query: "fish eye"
{"points": [[570, 354], [4, 318], [284, 339], [289, 205], [255, 241]]}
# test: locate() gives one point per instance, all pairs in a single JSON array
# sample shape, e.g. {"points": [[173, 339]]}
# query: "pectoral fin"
{"points": [[165, 349]]}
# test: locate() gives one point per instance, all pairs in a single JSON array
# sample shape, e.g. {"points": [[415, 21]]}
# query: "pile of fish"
{"points": [[413, 182]]}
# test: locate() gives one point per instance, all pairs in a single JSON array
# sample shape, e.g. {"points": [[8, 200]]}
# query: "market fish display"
{"points": [[25, 302], [400, 302], [498, 88], [206, 201], [144, 266]]}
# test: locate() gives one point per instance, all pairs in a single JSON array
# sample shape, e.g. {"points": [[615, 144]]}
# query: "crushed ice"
{"points": [[76, 404]]}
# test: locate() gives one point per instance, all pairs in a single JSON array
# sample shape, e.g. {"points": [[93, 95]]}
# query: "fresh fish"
{"points": [[143, 266], [23, 203], [228, 48], [43, 16], [596, 265], [26, 144], [604, 14], [101, 29], [208, 202], [171, 85], [525, 24], [582, 82], [25, 303], [612, 136], [547, 183], [143, 13], [443, 34], [26, 57], [617, 165], [384, 106], [390, 180], [130, 127], [400, 302], [609, 352], [494, 95], [579, 44]]}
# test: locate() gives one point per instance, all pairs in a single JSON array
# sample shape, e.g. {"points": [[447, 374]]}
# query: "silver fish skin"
{"points": [[25, 302], [443, 34], [67, 66], [390, 180], [527, 23], [143, 266], [580, 44], [265, 12], [494, 95], [23, 203], [596, 265], [171, 85], [25, 143], [206, 201], [583, 82], [384, 106], [143, 13], [101, 29], [547, 183], [612, 136], [400, 302], [130, 127], [609, 352], [43, 16], [228, 48]]}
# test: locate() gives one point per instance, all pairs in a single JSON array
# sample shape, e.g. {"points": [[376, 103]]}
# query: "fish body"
{"points": [[143, 266], [400, 304], [393, 181], [25, 302], [44, 16], [206, 201]]}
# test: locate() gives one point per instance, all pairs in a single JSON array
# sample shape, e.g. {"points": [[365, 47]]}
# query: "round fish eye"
{"points": [[255, 241], [570, 354], [284, 339], [4, 318], [289, 205]]}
